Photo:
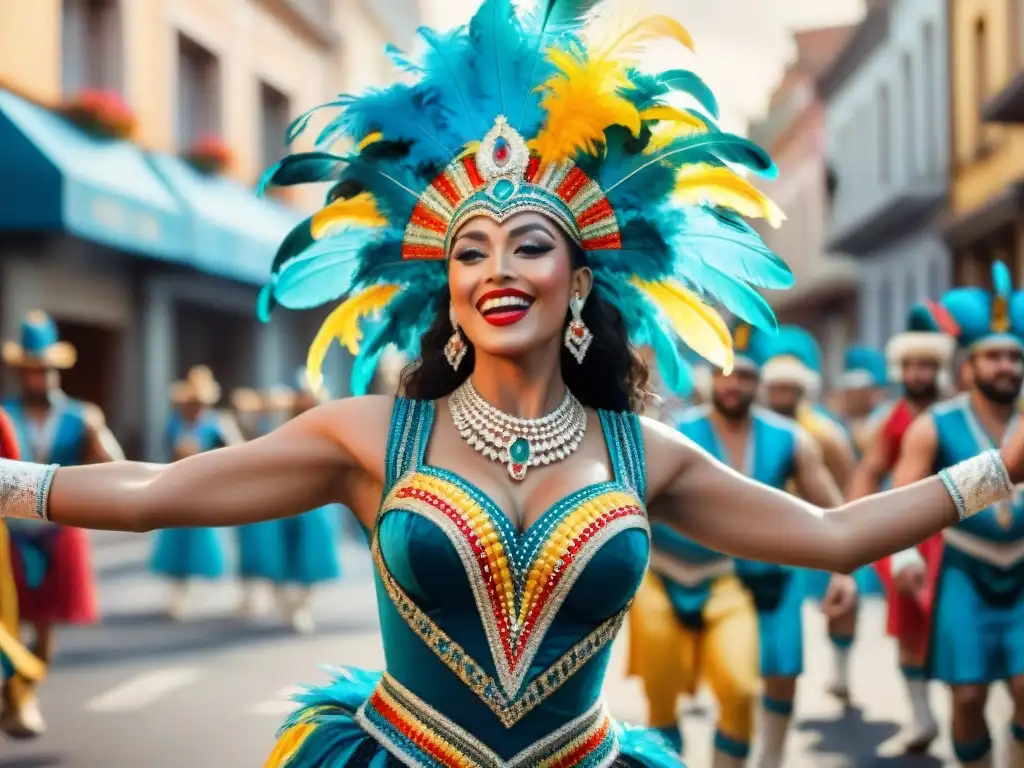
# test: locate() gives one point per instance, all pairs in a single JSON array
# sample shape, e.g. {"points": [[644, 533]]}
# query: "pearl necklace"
{"points": [[517, 443]]}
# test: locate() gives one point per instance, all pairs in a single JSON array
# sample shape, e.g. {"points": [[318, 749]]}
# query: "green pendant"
{"points": [[519, 450]]}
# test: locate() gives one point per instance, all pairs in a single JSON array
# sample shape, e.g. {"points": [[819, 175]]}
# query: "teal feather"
{"points": [[325, 271], [302, 168], [550, 20], [265, 302], [649, 88], [448, 54], [401, 61], [496, 32], [1002, 283]]}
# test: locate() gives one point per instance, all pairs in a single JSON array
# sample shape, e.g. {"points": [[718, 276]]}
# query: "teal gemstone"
{"points": [[503, 190], [519, 451]]}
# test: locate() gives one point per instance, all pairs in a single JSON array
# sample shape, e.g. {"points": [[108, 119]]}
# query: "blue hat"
{"points": [[749, 344], [931, 333], [862, 367], [40, 344], [792, 356], [986, 318]]}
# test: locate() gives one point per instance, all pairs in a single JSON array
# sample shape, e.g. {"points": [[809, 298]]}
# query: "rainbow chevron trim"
{"points": [[419, 735]]}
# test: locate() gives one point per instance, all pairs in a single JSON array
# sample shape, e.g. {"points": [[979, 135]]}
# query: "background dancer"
{"points": [[919, 359], [974, 597], [693, 622], [52, 563], [792, 385], [184, 555]]}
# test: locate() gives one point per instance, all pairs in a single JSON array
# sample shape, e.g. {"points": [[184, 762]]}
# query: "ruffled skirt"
{"points": [[325, 732], [189, 553], [54, 574], [295, 550]]}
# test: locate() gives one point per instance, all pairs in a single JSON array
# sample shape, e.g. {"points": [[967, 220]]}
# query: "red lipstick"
{"points": [[504, 306]]}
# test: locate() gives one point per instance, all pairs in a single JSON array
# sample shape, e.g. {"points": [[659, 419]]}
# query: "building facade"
{"points": [[793, 131], [148, 263], [887, 116], [987, 195]]}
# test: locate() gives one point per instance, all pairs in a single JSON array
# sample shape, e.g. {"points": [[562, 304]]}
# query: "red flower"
{"points": [[210, 154], [101, 113]]}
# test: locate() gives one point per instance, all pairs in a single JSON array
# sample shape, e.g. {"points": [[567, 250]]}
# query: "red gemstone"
{"points": [[577, 330], [501, 154], [517, 467]]}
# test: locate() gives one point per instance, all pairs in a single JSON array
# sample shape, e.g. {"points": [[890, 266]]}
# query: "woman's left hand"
{"points": [[840, 597]]}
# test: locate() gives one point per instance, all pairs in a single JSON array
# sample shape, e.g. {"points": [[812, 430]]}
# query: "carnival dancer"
{"points": [[692, 620], [184, 554], [977, 627], [53, 564], [260, 549], [920, 359], [309, 542], [787, 362], [20, 669], [518, 212]]}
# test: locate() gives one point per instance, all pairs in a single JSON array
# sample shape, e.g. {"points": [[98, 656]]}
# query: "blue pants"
{"points": [[974, 640], [185, 553], [780, 624]]}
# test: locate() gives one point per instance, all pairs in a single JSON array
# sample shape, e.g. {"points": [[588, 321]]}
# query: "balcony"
{"points": [[1007, 106], [861, 233]]}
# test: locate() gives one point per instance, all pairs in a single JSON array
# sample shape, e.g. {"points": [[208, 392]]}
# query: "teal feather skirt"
{"points": [[324, 732]]}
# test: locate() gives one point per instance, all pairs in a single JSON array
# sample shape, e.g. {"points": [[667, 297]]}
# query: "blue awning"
{"points": [[235, 233], [55, 177]]}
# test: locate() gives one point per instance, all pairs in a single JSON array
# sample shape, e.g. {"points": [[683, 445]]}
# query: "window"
{"points": [[885, 309], [884, 135], [909, 291], [198, 113], [935, 279], [274, 118], [929, 82], [91, 46], [980, 79], [910, 116]]}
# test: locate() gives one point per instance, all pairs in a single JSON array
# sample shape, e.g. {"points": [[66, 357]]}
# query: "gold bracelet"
{"points": [[25, 489], [977, 483]]}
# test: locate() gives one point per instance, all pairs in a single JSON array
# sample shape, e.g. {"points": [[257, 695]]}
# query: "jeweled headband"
{"points": [[548, 111]]}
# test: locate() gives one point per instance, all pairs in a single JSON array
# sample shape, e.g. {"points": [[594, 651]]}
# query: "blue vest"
{"points": [[205, 431], [961, 436], [60, 439]]}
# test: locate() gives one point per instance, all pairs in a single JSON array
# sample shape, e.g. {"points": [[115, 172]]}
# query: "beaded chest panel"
{"points": [[519, 581]]}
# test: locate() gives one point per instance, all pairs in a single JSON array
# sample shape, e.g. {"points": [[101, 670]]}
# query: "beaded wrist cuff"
{"points": [[978, 483], [25, 489]]}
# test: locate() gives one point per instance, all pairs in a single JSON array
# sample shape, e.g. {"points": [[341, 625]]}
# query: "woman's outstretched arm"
{"points": [[307, 463], [730, 513]]}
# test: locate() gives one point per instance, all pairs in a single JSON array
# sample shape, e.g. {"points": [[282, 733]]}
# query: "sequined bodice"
{"points": [[505, 633]]}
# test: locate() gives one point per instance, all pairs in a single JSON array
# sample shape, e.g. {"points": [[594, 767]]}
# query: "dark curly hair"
{"points": [[611, 377]]}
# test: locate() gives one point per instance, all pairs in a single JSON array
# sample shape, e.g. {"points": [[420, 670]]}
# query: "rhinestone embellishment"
{"points": [[517, 443]]}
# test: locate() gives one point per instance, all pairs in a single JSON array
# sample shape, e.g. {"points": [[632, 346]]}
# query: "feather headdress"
{"points": [[546, 112]]}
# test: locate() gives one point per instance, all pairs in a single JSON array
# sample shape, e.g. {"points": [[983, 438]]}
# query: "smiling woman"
{"points": [[510, 290]]}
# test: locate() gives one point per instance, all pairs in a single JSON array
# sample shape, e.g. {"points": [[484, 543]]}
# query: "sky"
{"points": [[742, 46]]}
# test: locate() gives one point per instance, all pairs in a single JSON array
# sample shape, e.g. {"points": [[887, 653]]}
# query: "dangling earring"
{"points": [[455, 349], [577, 336]]}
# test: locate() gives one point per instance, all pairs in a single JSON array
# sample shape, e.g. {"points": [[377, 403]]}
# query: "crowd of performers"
{"points": [[955, 603], [46, 573]]}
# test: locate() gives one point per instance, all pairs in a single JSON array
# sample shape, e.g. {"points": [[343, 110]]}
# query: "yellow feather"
{"points": [[697, 324], [675, 116], [722, 186], [370, 138], [619, 35], [581, 100], [343, 324], [664, 133], [361, 209]]}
